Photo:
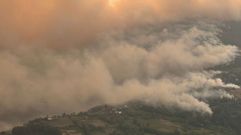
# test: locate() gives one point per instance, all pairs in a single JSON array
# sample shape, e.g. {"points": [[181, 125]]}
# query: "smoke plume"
{"points": [[64, 56]]}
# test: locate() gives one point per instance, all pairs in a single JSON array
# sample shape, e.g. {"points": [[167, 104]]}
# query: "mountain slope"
{"points": [[140, 119]]}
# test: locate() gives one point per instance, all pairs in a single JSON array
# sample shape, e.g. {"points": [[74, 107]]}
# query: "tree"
{"points": [[36, 129]]}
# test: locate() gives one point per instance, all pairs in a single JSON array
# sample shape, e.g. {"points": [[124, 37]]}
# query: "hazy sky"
{"points": [[67, 56]]}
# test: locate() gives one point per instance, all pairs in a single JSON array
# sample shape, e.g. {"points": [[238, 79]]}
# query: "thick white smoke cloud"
{"points": [[166, 73], [67, 56]]}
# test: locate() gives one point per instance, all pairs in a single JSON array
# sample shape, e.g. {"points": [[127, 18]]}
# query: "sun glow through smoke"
{"points": [[90, 52], [113, 3]]}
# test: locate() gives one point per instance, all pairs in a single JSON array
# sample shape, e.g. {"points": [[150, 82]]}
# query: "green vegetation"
{"points": [[140, 119], [36, 129]]}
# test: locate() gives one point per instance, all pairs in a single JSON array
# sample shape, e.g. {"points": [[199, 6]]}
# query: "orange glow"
{"points": [[113, 3]]}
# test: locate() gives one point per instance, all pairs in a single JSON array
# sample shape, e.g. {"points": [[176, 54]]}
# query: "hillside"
{"points": [[120, 67], [140, 119]]}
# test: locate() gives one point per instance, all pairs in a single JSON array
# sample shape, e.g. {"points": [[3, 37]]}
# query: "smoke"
{"points": [[59, 56], [167, 73], [60, 23]]}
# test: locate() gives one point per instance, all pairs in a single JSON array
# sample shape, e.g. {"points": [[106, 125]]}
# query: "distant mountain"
{"points": [[232, 34]]}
